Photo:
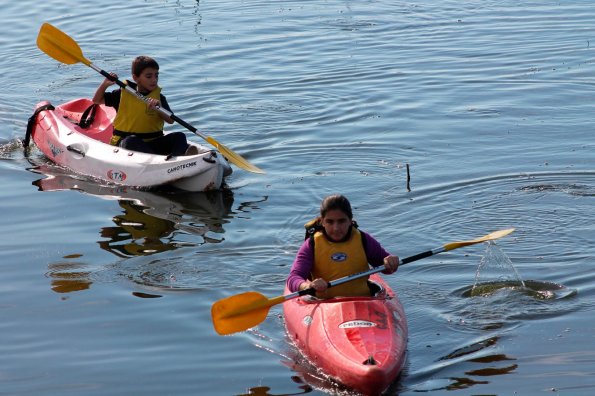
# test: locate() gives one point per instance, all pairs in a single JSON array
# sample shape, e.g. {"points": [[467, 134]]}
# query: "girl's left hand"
{"points": [[391, 264]]}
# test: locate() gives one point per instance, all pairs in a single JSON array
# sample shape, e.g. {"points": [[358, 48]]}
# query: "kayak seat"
{"points": [[376, 289], [95, 124]]}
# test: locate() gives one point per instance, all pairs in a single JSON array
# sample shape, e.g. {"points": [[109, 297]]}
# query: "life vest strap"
{"points": [[31, 122], [142, 135]]}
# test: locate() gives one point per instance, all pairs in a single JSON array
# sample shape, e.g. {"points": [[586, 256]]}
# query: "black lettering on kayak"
{"points": [[181, 166]]}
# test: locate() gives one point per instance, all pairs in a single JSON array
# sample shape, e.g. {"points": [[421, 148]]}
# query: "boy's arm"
{"points": [[99, 97], [163, 104]]}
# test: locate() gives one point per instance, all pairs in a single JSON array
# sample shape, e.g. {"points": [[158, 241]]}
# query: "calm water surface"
{"points": [[107, 291]]}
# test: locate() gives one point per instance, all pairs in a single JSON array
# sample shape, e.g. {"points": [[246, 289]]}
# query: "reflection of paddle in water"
{"points": [[69, 277]]}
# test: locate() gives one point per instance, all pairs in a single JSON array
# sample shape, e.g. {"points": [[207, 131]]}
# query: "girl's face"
{"points": [[147, 80], [336, 224]]}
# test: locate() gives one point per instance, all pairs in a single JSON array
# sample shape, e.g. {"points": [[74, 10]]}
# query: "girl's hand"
{"points": [[391, 264], [319, 284]]}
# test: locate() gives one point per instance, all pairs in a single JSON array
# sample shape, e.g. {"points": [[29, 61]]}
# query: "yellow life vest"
{"points": [[135, 117], [334, 260]]}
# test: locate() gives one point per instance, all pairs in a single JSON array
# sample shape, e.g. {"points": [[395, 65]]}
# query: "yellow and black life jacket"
{"points": [[135, 118], [334, 260]]}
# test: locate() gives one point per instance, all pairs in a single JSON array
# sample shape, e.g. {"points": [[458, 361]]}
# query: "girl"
{"points": [[335, 248]]}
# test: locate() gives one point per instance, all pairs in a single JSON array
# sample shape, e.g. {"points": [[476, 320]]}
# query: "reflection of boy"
{"points": [[138, 125]]}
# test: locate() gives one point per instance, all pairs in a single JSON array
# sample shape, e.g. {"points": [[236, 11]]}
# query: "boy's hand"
{"points": [[109, 82], [153, 104]]}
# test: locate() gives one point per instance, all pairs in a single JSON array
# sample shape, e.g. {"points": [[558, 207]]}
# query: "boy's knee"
{"points": [[180, 137], [128, 142]]}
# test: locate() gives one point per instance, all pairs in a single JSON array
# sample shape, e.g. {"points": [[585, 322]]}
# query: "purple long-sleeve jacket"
{"points": [[304, 260]]}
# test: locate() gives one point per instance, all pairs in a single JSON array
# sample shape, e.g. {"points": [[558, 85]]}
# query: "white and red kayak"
{"points": [[360, 342], [61, 134]]}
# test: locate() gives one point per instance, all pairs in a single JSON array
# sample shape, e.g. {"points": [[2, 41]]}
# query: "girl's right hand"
{"points": [[319, 284]]}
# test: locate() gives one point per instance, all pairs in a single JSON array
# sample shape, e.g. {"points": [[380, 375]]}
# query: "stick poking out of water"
{"points": [[408, 179]]}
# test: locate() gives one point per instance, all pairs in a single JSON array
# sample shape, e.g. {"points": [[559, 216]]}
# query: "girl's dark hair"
{"points": [[336, 202], [142, 62]]}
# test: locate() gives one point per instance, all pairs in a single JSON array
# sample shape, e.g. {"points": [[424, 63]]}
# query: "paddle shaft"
{"points": [[428, 253], [345, 279], [245, 310], [231, 155], [145, 99]]}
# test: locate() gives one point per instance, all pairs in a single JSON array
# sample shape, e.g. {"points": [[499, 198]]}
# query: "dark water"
{"points": [[107, 291]]}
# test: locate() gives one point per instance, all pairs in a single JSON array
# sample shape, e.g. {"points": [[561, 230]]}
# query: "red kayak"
{"points": [[360, 342]]}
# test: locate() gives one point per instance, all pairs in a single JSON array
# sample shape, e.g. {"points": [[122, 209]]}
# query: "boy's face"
{"points": [[147, 80]]}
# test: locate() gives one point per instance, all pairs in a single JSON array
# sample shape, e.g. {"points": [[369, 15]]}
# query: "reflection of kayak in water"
{"points": [[61, 134], [149, 220], [137, 233]]}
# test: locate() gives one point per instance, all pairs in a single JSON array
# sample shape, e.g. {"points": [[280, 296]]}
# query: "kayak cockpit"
{"points": [[377, 292]]}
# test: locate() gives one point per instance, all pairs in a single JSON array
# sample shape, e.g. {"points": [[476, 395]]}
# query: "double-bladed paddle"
{"points": [[245, 310], [63, 48]]}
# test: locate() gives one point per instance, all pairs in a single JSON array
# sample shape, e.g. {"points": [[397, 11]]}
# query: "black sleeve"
{"points": [[112, 99], [164, 103]]}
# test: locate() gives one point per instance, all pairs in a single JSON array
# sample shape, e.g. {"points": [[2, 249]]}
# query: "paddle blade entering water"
{"points": [[496, 235], [491, 236], [234, 157], [239, 312]]}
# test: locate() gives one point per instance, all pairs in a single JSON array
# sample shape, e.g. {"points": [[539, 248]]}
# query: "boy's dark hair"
{"points": [[142, 62]]}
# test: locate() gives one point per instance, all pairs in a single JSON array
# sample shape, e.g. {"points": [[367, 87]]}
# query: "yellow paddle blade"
{"points": [[485, 238], [234, 157], [241, 312], [59, 45]]}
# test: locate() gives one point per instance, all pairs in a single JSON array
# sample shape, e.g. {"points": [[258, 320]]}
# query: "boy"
{"points": [[138, 125]]}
